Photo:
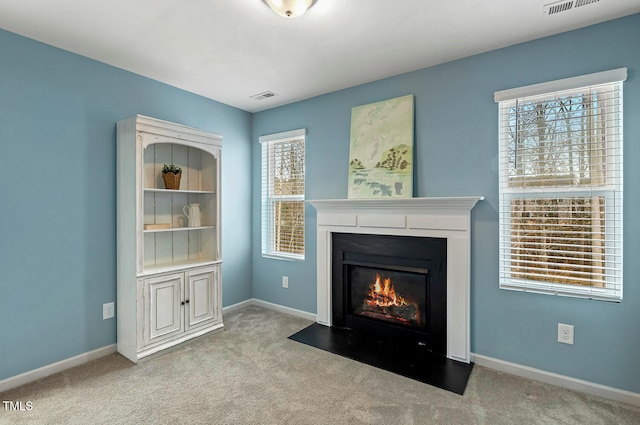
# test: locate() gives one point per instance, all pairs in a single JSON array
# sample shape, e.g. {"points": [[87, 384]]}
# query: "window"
{"points": [[560, 212], [283, 195]]}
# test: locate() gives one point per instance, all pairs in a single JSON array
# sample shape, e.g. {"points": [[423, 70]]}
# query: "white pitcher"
{"points": [[192, 211]]}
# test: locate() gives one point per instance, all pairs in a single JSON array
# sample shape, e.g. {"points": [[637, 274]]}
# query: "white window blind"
{"points": [[283, 175], [560, 180]]}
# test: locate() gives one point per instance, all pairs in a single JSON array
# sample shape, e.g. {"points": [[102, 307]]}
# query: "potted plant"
{"points": [[171, 174]]}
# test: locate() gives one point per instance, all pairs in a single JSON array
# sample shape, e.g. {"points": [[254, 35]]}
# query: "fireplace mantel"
{"points": [[438, 217], [464, 204]]}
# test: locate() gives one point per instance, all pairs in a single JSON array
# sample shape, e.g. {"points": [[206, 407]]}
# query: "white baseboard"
{"points": [[44, 371], [563, 381], [238, 306], [286, 310], [271, 306], [489, 362], [558, 380]]}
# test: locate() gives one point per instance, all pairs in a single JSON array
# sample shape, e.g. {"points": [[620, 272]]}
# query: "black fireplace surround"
{"points": [[415, 270]]}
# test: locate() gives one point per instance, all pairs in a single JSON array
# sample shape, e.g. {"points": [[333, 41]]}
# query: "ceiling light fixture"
{"points": [[290, 8]]}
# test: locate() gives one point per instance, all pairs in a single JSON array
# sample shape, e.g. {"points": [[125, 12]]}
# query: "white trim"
{"points": [[285, 310], [270, 306], [295, 139], [275, 255], [604, 77], [563, 381], [562, 290], [443, 205], [527, 372], [517, 261], [44, 371], [238, 306], [283, 136]]}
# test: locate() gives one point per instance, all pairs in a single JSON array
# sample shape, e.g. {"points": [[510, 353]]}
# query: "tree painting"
{"points": [[381, 150]]}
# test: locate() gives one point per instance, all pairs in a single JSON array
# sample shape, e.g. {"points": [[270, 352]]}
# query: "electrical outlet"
{"points": [[565, 333], [285, 282], [108, 311]]}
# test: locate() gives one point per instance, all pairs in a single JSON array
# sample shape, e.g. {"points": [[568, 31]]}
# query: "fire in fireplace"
{"points": [[397, 297], [391, 286], [383, 302]]}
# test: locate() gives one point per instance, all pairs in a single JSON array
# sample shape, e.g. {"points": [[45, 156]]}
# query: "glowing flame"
{"points": [[383, 294]]}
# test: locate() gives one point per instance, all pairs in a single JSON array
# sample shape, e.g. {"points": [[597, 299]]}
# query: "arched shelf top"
{"points": [[213, 150], [153, 130]]}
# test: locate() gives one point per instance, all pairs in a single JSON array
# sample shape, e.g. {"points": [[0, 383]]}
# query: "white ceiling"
{"points": [[228, 50]]}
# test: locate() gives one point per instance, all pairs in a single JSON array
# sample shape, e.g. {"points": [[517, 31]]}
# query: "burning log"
{"points": [[403, 313]]}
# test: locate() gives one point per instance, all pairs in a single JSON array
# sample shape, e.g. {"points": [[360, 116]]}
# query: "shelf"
{"points": [[177, 266], [206, 192], [178, 229]]}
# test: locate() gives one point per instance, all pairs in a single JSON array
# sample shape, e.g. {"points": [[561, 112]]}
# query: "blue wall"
{"points": [[58, 223], [456, 155]]}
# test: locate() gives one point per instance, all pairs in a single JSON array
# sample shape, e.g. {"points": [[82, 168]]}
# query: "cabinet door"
{"points": [[163, 307], [201, 297]]}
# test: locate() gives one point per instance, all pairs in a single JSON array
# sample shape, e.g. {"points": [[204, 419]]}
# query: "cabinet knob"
{"points": [[182, 303], [187, 301]]}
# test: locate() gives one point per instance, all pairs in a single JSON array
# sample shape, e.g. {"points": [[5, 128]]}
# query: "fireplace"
{"points": [[391, 287], [447, 218], [398, 269]]}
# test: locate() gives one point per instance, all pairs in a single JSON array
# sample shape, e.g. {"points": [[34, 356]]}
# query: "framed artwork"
{"points": [[381, 150]]}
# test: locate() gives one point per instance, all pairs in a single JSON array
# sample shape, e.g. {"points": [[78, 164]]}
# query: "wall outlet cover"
{"points": [[565, 333], [108, 310]]}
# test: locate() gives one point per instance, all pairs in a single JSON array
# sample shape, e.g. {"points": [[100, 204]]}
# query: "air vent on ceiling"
{"points": [[585, 2], [565, 5], [263, 95]]}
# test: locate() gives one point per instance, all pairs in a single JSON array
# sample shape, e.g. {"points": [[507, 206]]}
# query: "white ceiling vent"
{"points": [[584, 2], [565, 6], [263, 95]]}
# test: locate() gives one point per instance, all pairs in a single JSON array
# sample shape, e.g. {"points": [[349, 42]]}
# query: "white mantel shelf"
{"points": [[439, 217], [407, 204]]}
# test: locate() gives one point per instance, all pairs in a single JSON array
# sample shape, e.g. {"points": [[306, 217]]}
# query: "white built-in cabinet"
{"points": [[169, 274]]}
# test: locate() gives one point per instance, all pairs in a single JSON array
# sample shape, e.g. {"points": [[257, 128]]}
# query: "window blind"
{"points": [[560, 183], [283, 181]]}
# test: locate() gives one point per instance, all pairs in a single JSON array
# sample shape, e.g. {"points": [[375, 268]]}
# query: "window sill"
{"points": [[285, 257], [598, 294]]}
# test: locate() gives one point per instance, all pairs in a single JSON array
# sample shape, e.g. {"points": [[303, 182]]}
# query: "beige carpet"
{"points": [[252, 374]]}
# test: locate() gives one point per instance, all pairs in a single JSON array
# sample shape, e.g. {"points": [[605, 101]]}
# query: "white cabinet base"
{"points": [[160, 347], [177, 307]]}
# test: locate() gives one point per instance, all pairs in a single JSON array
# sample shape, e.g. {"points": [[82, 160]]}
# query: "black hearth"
{"points": [[391, 287], [414, 363]]}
